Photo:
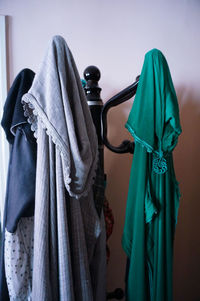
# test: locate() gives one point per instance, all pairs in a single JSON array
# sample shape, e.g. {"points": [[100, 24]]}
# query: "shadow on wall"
{"points": [[187, 167]]}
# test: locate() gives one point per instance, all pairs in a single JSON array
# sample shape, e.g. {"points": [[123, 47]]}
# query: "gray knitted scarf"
{"points": [[66, 225]]}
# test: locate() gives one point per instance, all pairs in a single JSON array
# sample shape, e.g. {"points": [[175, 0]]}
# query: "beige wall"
{"points": [[115, 35]]}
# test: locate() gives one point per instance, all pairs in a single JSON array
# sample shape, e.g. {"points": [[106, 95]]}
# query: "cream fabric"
{"points": [[18, 258]]}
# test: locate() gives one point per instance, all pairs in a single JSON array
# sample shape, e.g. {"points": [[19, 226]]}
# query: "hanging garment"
{"points": [[153, 197], [67, 233], [16, 252]]}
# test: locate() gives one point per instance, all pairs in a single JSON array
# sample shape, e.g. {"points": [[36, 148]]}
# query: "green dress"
{"points": [[153, 197]]}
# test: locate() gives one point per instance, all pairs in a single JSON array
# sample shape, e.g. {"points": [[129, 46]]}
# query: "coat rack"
{"points": [[99, 115], [99, 111], [126, 146]]}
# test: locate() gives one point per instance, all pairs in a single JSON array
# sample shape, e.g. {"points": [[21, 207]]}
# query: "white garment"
{"points": [[18, 257]]}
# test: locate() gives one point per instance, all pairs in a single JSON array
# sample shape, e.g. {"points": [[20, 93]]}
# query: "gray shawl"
{"points": [[67, 229]]}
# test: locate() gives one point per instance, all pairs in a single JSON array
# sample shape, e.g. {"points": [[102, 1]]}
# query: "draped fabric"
{"points": [[68, 233], [153, 197], [20, 189]]}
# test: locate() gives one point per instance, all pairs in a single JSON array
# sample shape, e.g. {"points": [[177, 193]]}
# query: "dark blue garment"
{"points": [[21, 184], [20, 191], [13, 114]]}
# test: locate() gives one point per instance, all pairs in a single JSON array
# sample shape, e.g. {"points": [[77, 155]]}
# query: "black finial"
{"points": [[92, 73], [92, 90], [92, 76]]}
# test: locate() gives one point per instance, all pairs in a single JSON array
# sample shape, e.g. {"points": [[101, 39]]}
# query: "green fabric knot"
{"points": [[159, 164]]}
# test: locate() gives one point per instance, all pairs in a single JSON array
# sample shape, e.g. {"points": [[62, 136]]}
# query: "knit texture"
{"points": [[67, 227]]}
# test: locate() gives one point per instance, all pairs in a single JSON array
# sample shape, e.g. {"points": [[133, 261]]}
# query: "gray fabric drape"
{"points": [[68, 234]]}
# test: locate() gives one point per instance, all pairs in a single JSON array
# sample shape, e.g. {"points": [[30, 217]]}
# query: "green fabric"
{"points": [[153, 197]]}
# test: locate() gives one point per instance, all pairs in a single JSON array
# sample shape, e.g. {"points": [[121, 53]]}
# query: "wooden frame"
{"points": [[4, 147]]}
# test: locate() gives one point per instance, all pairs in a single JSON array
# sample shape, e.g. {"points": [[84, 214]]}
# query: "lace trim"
{"points": [[159, 161], [33, 112]]}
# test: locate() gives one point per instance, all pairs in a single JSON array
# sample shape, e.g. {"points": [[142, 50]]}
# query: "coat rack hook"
{"points": [[126, 146]]}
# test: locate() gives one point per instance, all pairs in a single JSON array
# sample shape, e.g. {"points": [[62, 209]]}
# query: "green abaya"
{"points": [[153, 197]]}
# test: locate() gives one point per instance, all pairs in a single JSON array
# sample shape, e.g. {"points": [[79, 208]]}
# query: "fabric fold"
{"points": [[57, 99], [156, 107], [153, 198], [67, 228], [20, 191], [13, 115], [150, 209]]}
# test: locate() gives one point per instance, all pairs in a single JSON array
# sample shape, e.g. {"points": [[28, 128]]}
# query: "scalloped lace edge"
{"points": [[34, 114]]}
